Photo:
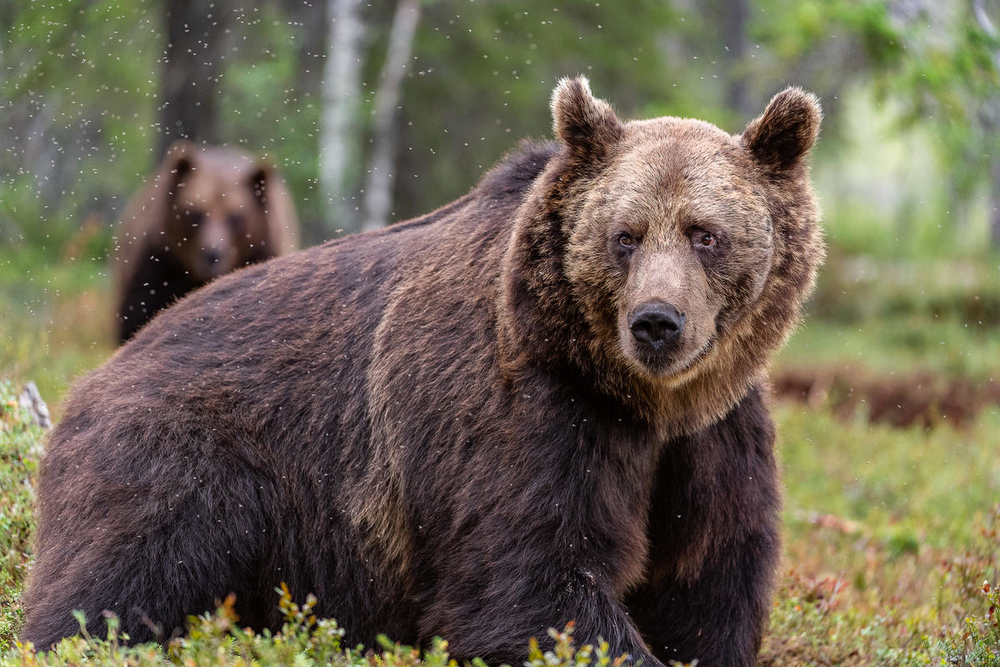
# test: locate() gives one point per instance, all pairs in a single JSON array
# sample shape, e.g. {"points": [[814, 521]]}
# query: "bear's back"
{"points": [[300, 326]]}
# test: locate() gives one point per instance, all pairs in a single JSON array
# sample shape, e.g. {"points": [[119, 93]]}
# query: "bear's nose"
{"points": [[656, 324]]}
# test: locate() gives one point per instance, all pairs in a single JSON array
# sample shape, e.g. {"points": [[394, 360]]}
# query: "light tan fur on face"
{"points": [[667, 178], [218, 215], [658, 180], [219, 222]]}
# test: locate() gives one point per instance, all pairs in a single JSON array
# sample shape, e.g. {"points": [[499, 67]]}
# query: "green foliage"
{"points": [[899, 483], [979, 644], [267, 108], [80, 93], [929, 608], [934, 61], [956, 84], [20, 442], [55, 318], [803, 25], [498, 63], [565, 654], [304, 640], [938, 316]]}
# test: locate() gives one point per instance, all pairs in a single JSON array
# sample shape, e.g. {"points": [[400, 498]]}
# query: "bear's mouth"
{"points": [[698, 357], [670, 368]]}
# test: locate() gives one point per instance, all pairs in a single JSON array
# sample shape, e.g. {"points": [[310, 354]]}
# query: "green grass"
{"points": [[896, 317], [890, 534], [928, 484], [899, 346], [55, 319]]}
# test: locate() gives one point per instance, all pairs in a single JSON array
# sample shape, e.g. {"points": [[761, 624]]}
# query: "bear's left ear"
{"points": [[786, 131], [581, 121], [272, 194]]}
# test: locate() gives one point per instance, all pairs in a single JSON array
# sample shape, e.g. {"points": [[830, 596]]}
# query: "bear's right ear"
{"points": [[177, 162], [785, 132], [581, 121]]}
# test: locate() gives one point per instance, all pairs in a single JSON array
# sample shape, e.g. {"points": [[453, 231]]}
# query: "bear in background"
{"points": [[208, 211], [540, 403]]}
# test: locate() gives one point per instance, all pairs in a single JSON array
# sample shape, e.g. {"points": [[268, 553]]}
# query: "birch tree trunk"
{"points": [[341, 100], [991, 121], [379, 181]]}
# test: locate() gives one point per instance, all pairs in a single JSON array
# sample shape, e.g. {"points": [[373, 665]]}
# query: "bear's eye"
{"points": [[703, 239], [626, 241]]}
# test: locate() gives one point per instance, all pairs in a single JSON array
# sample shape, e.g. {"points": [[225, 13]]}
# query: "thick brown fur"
{"points": [[443, 428], [207, 211]]}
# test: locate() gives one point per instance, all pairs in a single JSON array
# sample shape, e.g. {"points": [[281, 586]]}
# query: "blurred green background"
{"points": [[887, 398]]}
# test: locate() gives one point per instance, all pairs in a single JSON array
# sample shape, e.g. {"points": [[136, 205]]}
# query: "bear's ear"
{"points": [[785, 132], [271, 193], [177, 163], [581, 121]]}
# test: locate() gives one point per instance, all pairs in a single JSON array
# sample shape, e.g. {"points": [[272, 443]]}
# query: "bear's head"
{"points": [[687, 251], [217, 218], [213, 209]]}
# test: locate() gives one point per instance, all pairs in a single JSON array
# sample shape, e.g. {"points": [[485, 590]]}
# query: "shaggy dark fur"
{"points": [[435, 430]]}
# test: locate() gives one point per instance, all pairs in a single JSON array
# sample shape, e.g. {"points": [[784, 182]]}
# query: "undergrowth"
{"points": [[19, 442], [303, 640]]}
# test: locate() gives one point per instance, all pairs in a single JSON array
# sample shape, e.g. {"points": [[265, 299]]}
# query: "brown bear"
{"points": [[208, 210], [539, 403]]}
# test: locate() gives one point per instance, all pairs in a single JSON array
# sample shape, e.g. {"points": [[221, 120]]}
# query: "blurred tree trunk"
{"points": [[311, 25], [991, 121], [196, 38], [379, 182], [727, 24], [341, 99], [734, 19]]}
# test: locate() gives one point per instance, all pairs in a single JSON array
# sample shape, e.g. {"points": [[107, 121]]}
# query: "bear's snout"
{"points": [[656, 324], [214, 261]]}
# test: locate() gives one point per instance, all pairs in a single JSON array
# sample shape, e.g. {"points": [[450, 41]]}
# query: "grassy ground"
{"points": [[892, 547], [55, 319]]}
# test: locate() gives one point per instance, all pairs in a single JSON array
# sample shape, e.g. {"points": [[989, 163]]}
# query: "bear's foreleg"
{"points": [[714, 543], [499, 627], [718, 618]]}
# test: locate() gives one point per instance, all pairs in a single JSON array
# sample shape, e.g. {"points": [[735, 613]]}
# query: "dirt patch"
{"points": [[902, 401]]}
